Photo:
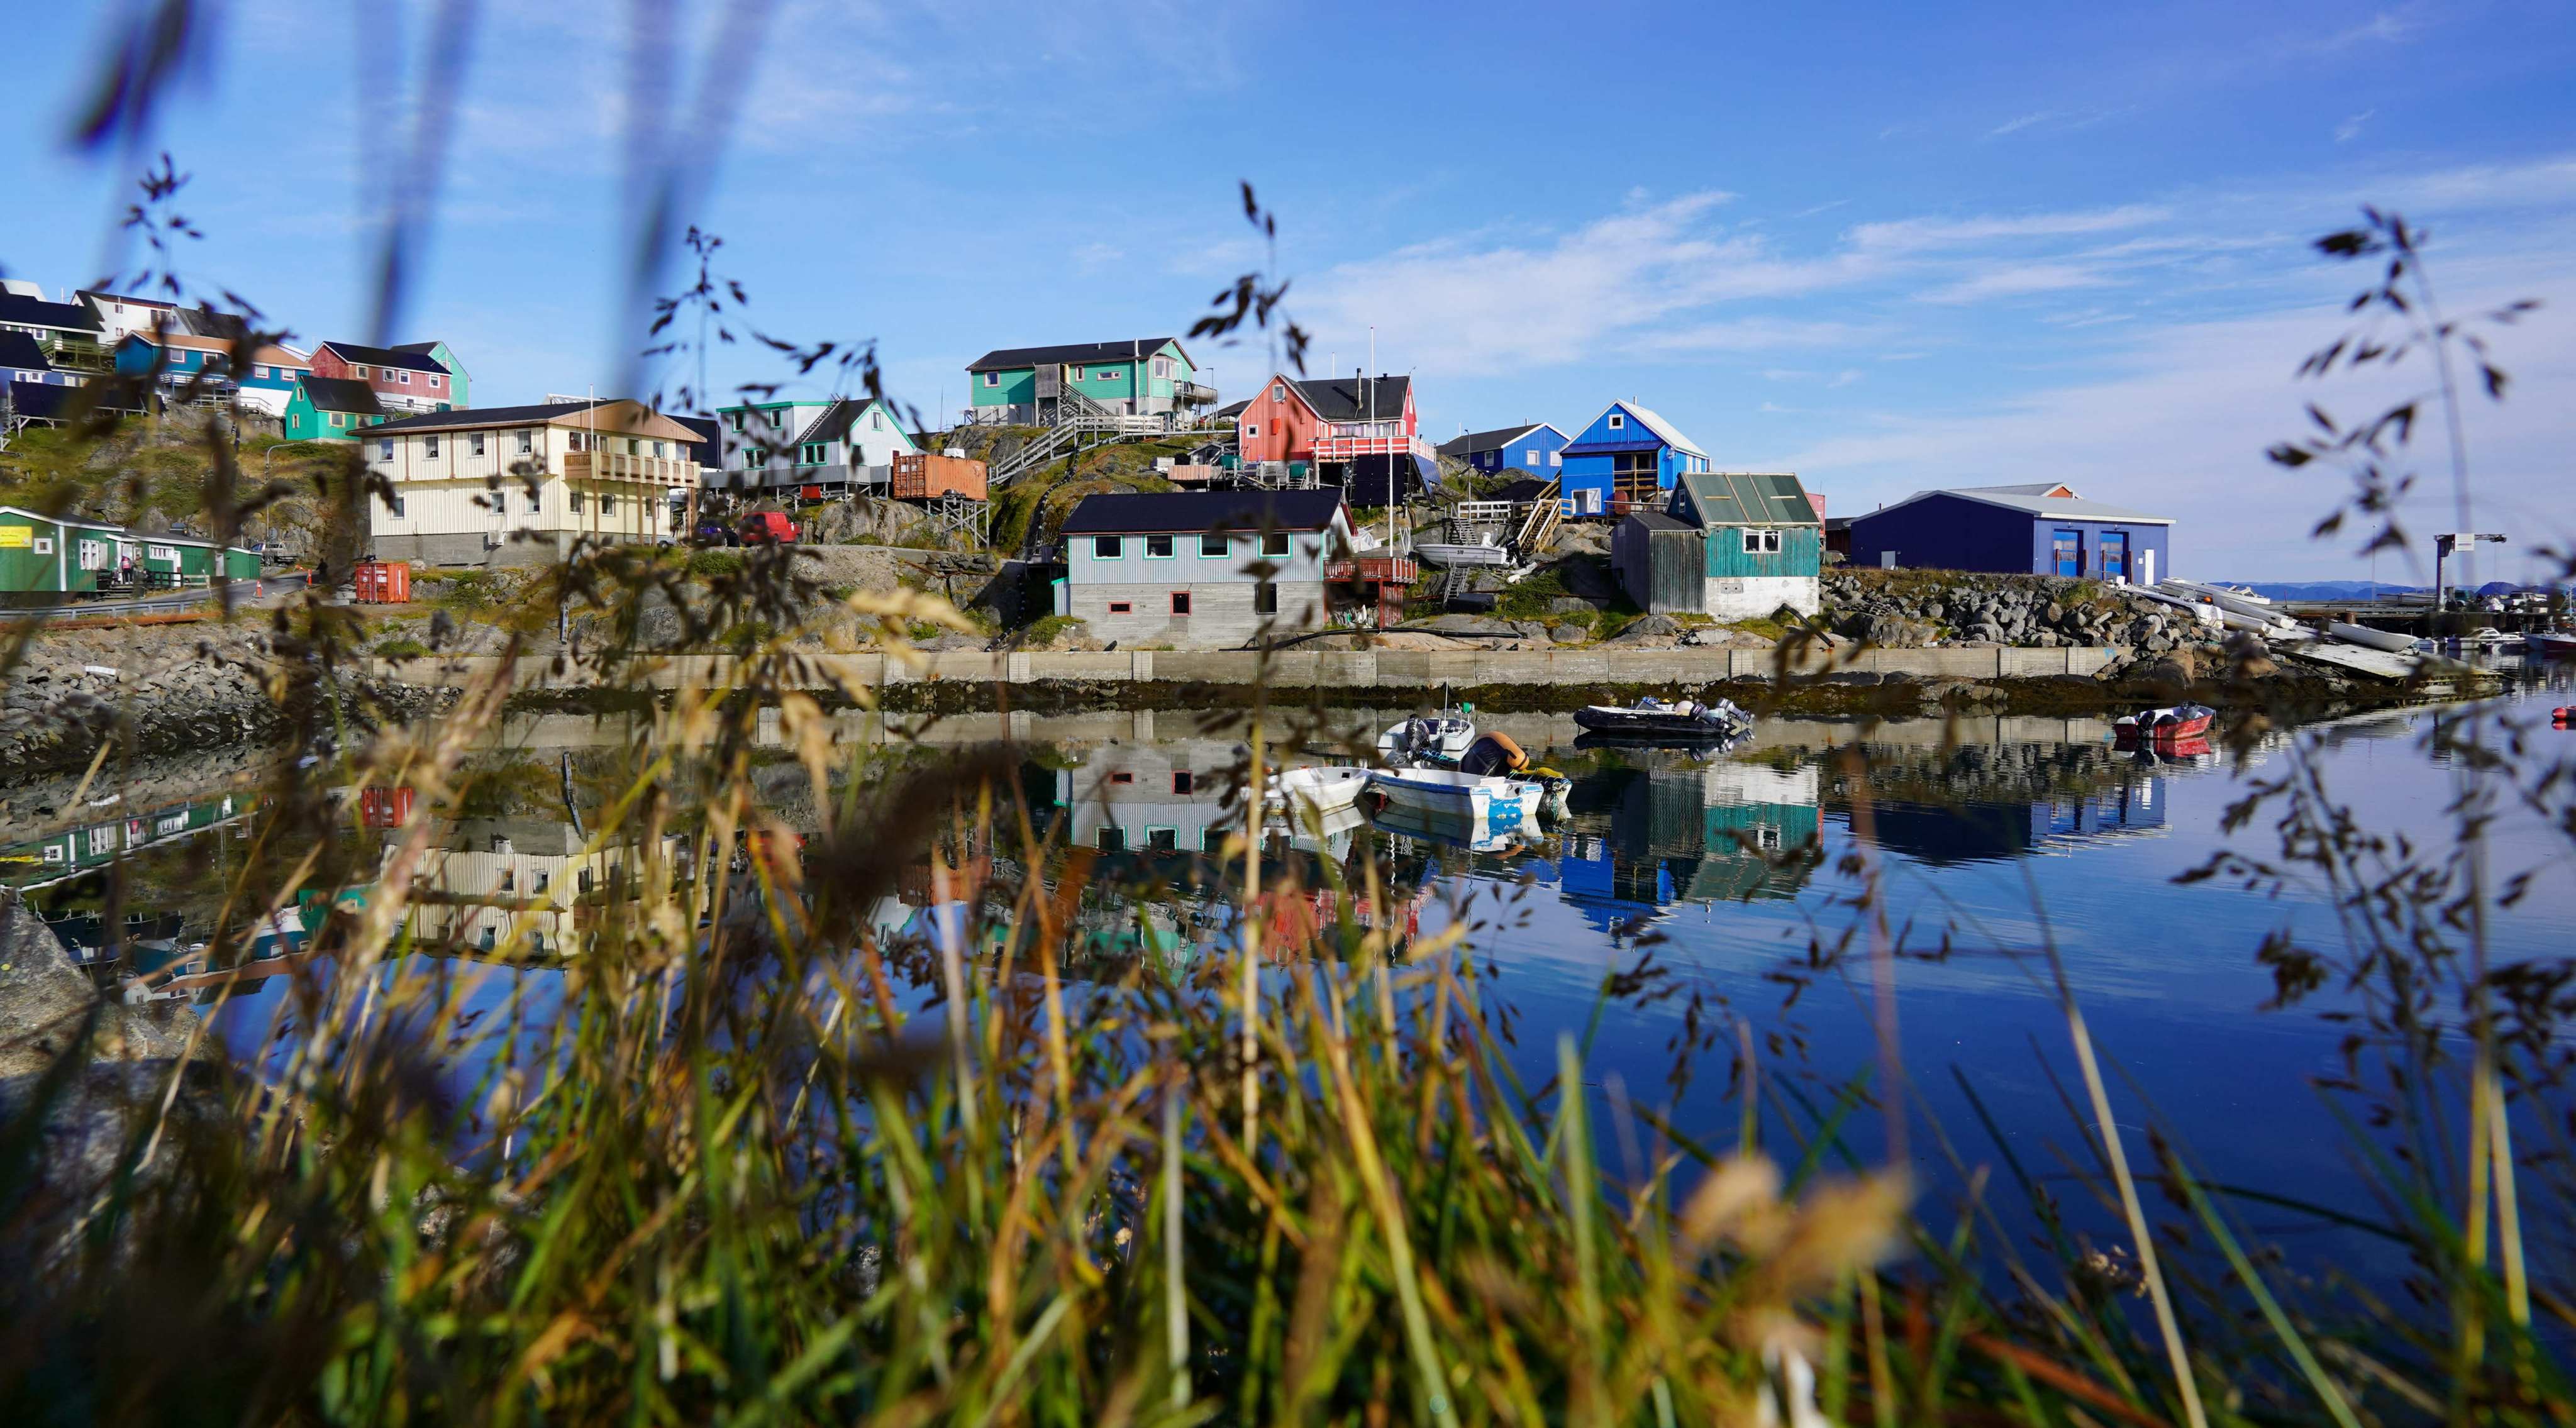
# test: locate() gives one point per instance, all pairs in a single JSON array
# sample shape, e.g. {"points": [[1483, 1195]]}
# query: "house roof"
{"points": [[340, 394], [1495, 440], [835, 420], [100, 295], [1230, 409], [709, 434], [1652, 421], [1159, 512], [1658, 521], [48, 401], [1749, 498], [2037, 500], [430, 351], [270, 353], [385, 357], [18, 309], [1007, 357], [19, 350], [617, 416], [1354, 398]]}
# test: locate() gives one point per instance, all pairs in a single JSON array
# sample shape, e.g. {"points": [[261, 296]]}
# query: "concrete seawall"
{"points": [[1394, 671]]}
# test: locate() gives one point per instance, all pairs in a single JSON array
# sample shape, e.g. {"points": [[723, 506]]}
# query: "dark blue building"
{"points": [[2039, 529], [1527, 447]]}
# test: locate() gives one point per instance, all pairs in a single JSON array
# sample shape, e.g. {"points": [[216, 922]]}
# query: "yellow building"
{"points": [[520, 485]]}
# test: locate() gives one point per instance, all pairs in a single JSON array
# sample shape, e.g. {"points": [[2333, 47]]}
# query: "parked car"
{"points": [[763, 527], [717, 533]]}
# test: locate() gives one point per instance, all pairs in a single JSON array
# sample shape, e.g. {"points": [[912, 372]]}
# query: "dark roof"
{"points": [[1001, 357], [467, 417], [710, 438], [1348, 398], [46, 401], [103, 295], [17, 349], [1133, 513], [341, 394], [1494, 440], [418, 361], [1658, 521], [833, 422], [26, 311], [1230, 409]]}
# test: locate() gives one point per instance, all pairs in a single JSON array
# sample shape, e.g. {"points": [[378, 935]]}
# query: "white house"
{"points": [[1186, 567], [844, 444], [519, 485]]}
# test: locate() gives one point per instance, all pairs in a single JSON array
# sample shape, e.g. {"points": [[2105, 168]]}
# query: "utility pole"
{"points": [[2463, 544]]}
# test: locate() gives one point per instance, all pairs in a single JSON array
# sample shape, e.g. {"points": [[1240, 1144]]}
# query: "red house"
{"points": [[1361, 433], [402, 381]]}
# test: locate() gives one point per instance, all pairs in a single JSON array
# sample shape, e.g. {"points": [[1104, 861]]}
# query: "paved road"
{"points": [[174, 601]]}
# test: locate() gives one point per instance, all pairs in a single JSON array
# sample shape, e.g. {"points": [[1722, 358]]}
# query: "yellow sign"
{"points": [[17, 537]]}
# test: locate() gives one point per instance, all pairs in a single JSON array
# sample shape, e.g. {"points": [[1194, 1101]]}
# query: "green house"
{"points": [[330, 409], [1032, 386], [44, 559], [440, 353], [179, 562], [1728, 544]]}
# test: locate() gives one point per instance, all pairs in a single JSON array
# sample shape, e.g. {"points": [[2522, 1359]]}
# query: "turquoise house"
{"points": [[1728, 544], [183, 360], [1032, 386], [330, 409]]}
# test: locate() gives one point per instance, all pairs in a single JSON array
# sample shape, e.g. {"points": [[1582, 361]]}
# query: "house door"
{"points": [[2115, 555], [2069, 547]]}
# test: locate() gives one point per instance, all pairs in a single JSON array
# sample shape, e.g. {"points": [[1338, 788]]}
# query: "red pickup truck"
{"points": [[763, 527]]}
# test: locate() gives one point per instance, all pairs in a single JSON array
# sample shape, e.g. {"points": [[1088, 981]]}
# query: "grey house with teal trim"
{"points": [[1727, 544], [1141, 376]]}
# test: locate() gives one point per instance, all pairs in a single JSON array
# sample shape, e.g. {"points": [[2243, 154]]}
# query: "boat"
{"points": [[2369, 638], [1433, 738], [1498, 755], [1451, 830], [1652, 720], [1446, 553], [1317, 787], [2174, 722], [1485, 802], [2553, 644]]}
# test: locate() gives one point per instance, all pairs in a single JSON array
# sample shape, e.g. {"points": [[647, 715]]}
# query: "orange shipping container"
{"points": [[926, 478], [383, 582]]}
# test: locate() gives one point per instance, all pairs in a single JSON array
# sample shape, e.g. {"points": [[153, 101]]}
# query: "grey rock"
{"points": [[1570, 605]]}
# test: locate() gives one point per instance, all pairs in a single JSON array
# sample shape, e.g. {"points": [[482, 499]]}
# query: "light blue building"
{"points": [[1625, 460]]}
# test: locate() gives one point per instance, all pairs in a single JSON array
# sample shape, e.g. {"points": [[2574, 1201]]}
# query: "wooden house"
{"points": [[1729, 545], [1140, 376], [1625, 460]]}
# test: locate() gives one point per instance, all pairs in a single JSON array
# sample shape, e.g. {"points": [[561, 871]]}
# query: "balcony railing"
{"points": [[1344, 448], [1374, 569], [76, 353], [618, 466]]}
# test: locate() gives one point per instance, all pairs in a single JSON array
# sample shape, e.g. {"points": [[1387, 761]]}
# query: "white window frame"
{"points": [[1279, 392], [429, 447], [1618, 422], [991, 379], [1224, 546], [474, 444], [1253, 430], [403, 377], [1171, 547], [527, 443], [44, 545], [1532, 454]]}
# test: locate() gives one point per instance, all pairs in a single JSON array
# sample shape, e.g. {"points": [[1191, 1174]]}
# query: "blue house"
{"points": [[183, 360], [1628, 457], [1537, 449], [2037, 529]]}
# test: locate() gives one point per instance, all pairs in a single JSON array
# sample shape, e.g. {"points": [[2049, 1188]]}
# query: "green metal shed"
{"points": [[33, 564], [180, 562], [240, 564]]}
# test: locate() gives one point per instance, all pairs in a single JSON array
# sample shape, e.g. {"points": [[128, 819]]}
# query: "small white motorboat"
{"points": [[1485, 802], [1437, 738], [2368, 638], [1317, 787]]}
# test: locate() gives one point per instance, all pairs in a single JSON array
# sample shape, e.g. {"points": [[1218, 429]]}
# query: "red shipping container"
{"points": [[382, 582], [384, 807], [923, 477]]}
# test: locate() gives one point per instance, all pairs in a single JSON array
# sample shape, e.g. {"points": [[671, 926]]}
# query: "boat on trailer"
{"points": [[2173, 722]]}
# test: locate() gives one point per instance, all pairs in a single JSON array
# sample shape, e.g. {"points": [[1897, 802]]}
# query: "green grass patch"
{"points": [[401, 647]]}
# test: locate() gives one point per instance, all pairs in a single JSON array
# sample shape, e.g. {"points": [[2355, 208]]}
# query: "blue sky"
{"points": [[1887, 247]]}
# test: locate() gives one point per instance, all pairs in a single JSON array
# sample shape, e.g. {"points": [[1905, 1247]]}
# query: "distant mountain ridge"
{"points": [[2327, 589]]}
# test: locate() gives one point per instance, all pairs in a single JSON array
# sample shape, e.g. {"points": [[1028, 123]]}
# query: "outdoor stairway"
{"points": [[1076, 416]]}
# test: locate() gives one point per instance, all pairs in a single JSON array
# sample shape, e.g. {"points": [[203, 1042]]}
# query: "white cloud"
{"points": [[1910, 235], [2015, 126], [2016, 280], [2350, 129], [1845, 377]]}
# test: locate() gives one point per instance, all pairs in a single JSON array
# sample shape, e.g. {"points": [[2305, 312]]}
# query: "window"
{"points": [[1158, 547], [607, 504], [734, 419], [474, 444], [403, 377], [585, 880], [576, 503], [429, 447], [1162, 840], [44, 545], [339, 419], [358, 371], [1279, 393], [398, 507], [1556, 458], [1532, 456], [574, 442], [1180, 602], [1077, 374], [1123, 776], [1252, 430], [258, 371], [1112, 838], [1617, 421], [527, 442], [1761, 542], [1275, 543], [1265, 599], [634, 447], [436, 380], [1112, 375], [1106, 548], [1214, 546], [385, 449], [657, 448], [1181, 781], [876, 421], [991, 379], [1122, 607], [811, 454]]}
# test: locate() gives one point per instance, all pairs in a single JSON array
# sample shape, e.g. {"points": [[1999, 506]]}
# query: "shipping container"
{"points": [[923, 477], [383, 582]]}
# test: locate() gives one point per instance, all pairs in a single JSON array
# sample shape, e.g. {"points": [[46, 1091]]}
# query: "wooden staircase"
{"points": [[1076, 416]]}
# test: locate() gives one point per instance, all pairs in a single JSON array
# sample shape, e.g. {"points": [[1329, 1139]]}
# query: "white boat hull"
{"points": [[1492, 804], [1323, 790]]}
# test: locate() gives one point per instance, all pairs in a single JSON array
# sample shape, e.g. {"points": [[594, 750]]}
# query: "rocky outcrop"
{"points": [[1913, 608]]}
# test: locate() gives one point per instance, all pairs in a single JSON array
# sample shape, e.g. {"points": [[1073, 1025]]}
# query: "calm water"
{"points": [[2029, 833]]}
